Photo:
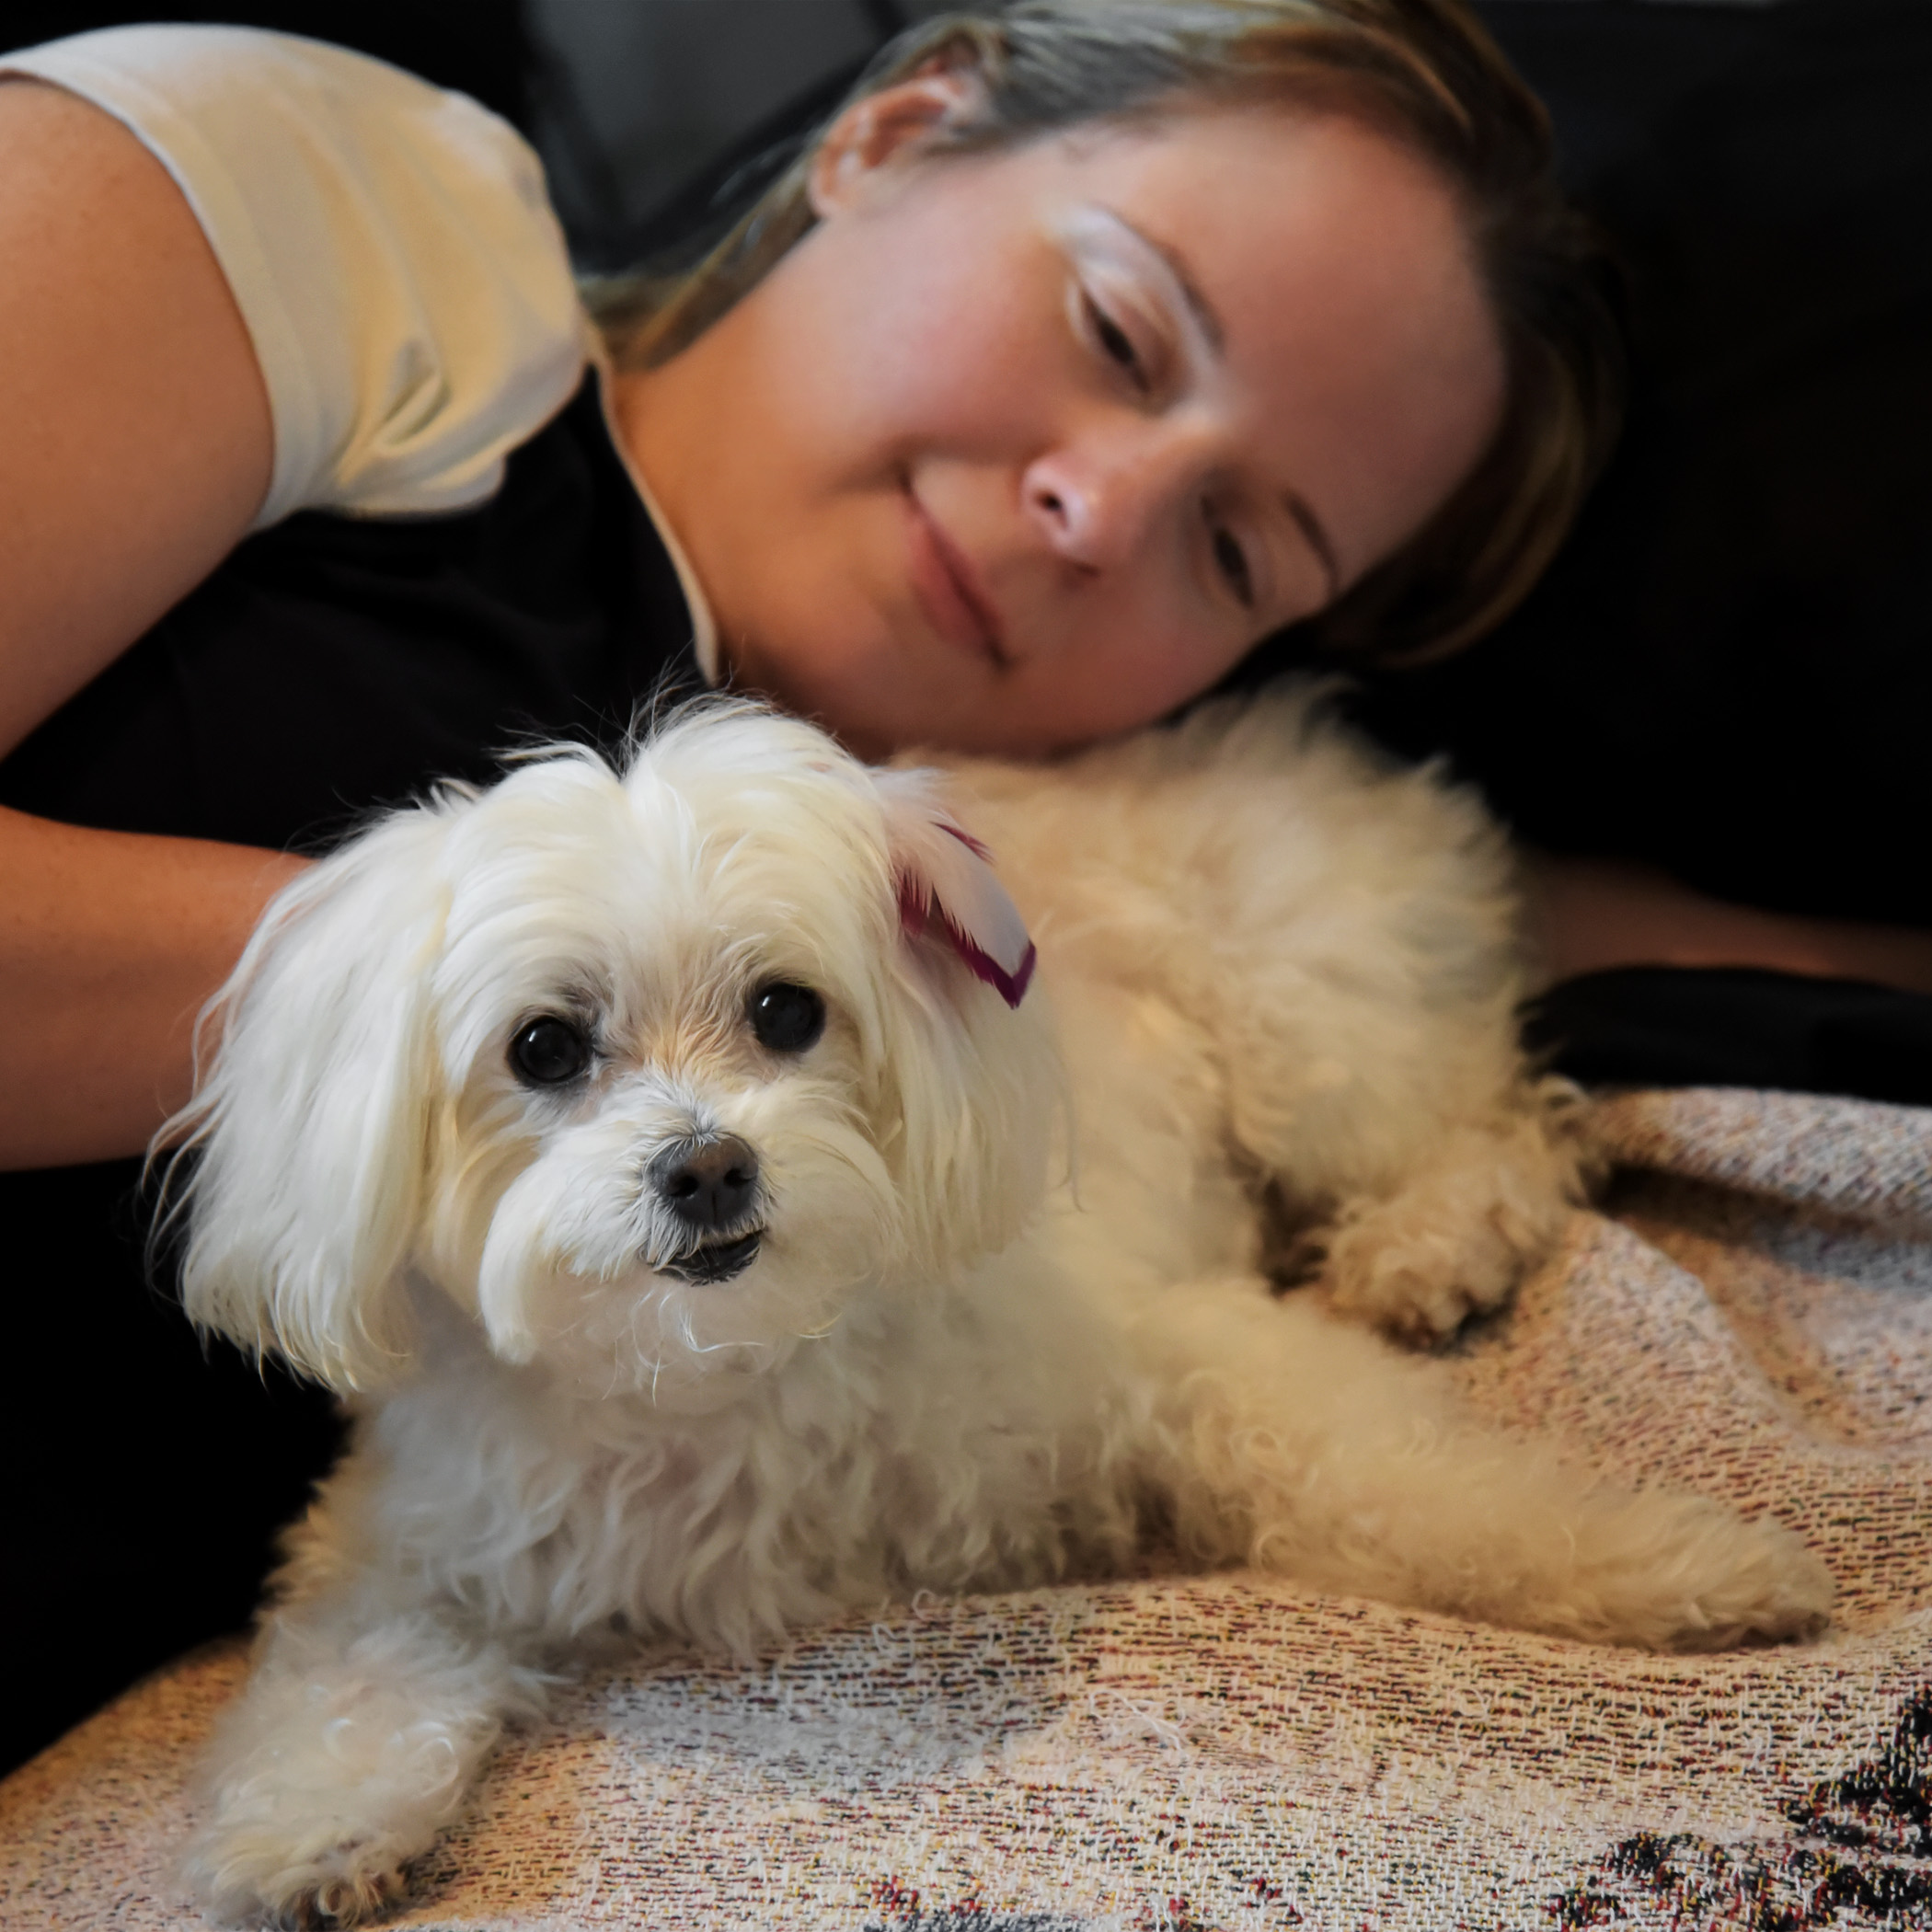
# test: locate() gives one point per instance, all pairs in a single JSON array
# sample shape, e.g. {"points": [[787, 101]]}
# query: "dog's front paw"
{"points": [[326, 1779], [252, 1875], [1454, 1240], [345, 1901], [1418, 1280], [1458, 1232]]}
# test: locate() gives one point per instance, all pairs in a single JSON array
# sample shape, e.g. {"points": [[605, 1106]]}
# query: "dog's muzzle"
{"points": [[712, 1187]]}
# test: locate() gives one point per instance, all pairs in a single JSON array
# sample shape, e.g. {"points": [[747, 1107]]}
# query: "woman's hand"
{"points": [[135, 448]]}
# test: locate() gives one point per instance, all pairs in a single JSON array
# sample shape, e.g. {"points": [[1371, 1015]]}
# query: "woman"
{"points": [[1086, 348], [961, 387]]}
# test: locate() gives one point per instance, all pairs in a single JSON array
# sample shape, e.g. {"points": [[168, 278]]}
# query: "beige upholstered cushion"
{"points": [[1751, 1317]]}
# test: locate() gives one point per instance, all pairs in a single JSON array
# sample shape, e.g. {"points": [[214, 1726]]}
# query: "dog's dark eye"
{"points": [[786, 1018], [549, 1051]]}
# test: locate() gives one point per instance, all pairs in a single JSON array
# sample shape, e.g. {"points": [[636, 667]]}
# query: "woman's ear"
{"points": [[883, 128]]}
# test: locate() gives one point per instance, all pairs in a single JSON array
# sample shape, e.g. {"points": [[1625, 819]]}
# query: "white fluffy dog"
{"points": [[660, 1164]]}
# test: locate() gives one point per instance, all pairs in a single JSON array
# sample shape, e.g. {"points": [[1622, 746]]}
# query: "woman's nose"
{"points": [[1097, 497]]}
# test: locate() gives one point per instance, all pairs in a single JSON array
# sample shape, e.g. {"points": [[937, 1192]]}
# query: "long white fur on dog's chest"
{"points": [[882, 1451]]}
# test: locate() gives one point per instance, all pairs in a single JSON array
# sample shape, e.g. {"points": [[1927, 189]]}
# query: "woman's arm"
{"points": [[136, 445], [109, 943], [1588, 914], [381, 310], [136, 449]]}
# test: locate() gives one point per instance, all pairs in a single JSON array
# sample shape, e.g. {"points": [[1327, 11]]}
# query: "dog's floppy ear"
{"points": [[307, 1138], [977, 1083], [947, 887]]}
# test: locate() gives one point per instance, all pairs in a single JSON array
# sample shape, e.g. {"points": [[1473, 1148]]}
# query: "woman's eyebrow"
{"points": [[1193, 300], [1198, 305]]}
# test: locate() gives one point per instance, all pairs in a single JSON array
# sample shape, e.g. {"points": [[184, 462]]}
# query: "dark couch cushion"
{"points": [[1729, 670]]}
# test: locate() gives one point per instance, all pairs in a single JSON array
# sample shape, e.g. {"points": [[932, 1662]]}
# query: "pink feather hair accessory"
{"points": [[947, 887]]}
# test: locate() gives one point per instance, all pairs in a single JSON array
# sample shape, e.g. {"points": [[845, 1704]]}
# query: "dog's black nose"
{"points": [[710, 1186]]}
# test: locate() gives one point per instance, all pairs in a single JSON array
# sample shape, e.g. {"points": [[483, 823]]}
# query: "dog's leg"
{"points": [[355, 1743], [1397, 1121], [1343, 962], [1295, 1443]]}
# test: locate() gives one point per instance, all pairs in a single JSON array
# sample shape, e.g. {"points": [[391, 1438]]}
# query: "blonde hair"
{"points": [[1423, 71]]}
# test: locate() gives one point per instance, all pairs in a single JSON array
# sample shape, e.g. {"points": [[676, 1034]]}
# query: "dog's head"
{"points": [[647, 1073]]}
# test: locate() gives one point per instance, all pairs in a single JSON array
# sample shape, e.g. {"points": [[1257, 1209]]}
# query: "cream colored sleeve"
{"points": [[390, 246]]}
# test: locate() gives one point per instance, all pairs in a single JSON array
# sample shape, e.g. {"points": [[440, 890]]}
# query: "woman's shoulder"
{"points": [[333, 664], [389, 244]]}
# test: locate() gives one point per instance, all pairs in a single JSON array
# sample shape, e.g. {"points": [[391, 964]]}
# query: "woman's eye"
{"points": [[549, 1052], [1117, 344], [1231, 561], [787, 1018]]}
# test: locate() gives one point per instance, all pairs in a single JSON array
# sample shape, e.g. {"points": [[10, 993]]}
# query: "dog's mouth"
{"points": [[713, 1261]]}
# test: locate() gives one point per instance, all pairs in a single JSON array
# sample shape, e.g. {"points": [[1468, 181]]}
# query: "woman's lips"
{"points": [[949, 589]]}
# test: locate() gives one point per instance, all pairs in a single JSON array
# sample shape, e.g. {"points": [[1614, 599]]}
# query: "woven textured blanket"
{"points": [[1748, 1315]]}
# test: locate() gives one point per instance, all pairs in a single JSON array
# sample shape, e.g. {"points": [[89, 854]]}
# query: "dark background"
{"points": [[1729, 670], [479, 46]]}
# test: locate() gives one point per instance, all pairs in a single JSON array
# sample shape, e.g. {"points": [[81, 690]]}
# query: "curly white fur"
{"points": [[1283, 976]]}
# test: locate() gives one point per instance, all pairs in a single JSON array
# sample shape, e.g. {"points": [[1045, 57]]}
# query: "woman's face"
{"points": [[1019, 448]]}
